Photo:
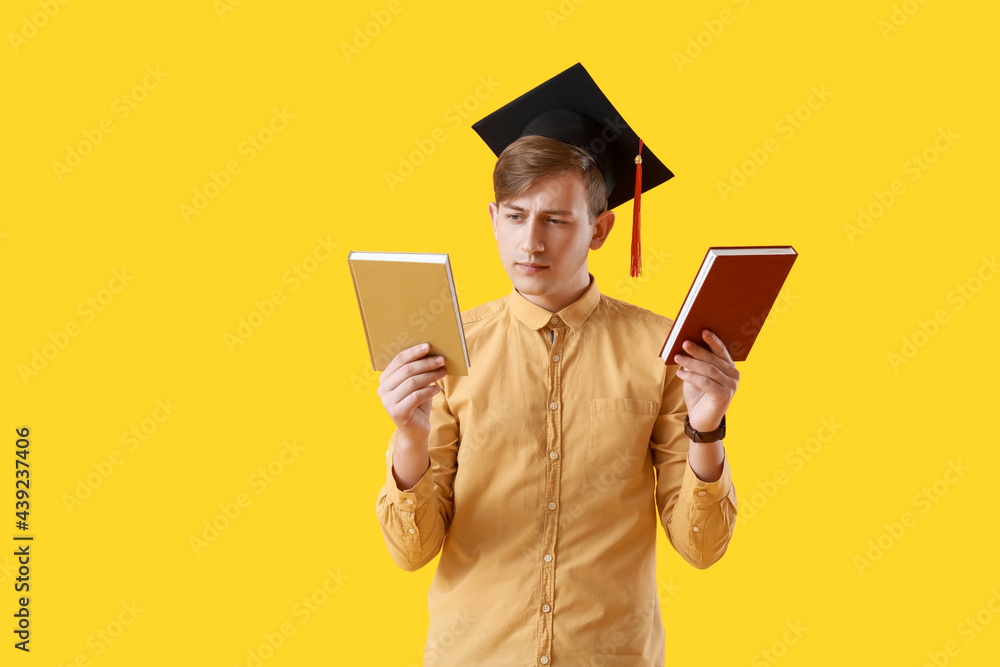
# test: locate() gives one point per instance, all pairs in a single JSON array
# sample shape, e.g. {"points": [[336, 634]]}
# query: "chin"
{"points": [[528, 284]]}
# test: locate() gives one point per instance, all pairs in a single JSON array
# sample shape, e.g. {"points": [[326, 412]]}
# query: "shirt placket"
{"points": [[553, 471]]}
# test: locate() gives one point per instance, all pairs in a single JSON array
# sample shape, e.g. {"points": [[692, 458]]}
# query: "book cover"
{"points": [[731, 295], [406, 299]]}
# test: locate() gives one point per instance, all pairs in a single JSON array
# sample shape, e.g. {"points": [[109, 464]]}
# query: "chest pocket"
{"points": [[620, 429]]}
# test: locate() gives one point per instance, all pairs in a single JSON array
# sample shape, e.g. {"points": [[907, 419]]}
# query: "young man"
{"points": [[540, 477]]}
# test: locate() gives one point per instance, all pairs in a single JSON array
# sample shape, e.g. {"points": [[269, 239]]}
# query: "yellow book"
{"points": [[408, 298]]}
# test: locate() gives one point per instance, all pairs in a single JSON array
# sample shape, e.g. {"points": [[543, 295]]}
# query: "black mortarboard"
{"points": [[570, 107]]}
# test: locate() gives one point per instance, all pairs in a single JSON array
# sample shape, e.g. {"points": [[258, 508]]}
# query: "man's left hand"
{"points": [[710, 380]]}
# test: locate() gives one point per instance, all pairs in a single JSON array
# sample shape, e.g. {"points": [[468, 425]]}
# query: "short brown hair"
{"points": [[533, 157]]}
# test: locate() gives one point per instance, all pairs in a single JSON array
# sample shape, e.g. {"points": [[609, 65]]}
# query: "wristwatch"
{"points": [[707, 436]]}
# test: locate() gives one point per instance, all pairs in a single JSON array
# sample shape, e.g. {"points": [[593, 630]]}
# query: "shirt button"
{"points": [[544, 660], [553, 405], [546, 608], [554, 320], [409, 501], [553, 455], [701, 493], [695, 528], [555, 357], [548, 558], [552, 506], [411, 531]]}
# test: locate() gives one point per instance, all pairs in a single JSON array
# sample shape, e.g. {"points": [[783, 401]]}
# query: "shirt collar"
{"points": [[575, 314]]}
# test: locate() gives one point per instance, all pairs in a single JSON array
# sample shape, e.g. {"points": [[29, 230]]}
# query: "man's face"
{"points": [[544, 236]]}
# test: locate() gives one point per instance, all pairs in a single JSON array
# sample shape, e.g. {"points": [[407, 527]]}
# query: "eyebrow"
{"points": [[549, 211]]}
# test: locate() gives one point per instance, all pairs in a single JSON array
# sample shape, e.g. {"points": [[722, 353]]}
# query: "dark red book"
{"points": [[732, 294]]}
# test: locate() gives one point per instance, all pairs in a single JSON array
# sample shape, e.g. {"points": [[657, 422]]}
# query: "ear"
{"points": [[494, 209], [602, 227]]}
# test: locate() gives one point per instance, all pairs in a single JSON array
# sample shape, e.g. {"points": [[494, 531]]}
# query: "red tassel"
{"points": [[636, 266]]}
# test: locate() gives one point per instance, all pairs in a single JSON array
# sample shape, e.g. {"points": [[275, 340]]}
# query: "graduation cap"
{"points": [[571, 108]]}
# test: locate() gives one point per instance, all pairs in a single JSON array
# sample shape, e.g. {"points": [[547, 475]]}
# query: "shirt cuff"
{"points": [[407, 499], [705, 494]]}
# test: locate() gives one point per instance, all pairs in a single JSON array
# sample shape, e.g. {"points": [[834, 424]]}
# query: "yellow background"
{"points": [[303, 375]]}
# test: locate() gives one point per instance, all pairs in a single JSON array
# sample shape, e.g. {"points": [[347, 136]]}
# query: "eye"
{"points": [[558, 222], [513, 216]]}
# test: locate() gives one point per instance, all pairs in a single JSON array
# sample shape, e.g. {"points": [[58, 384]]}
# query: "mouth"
{"points": [[531, 268]]}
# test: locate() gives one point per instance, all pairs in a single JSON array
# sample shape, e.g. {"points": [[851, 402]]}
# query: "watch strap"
{"points": [[706, 436]]}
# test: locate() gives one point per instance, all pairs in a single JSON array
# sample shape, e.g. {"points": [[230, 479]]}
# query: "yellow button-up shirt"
{"points": [[550, 464]]}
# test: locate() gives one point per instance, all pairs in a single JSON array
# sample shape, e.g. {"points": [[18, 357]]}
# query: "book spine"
{"points": [[361, 309], [675, 328], [458, 311]]}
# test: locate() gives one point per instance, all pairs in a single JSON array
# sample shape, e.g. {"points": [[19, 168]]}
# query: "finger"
{"points": [[715, 367], [723, 363], [717, 345], [406, 356], [702, 367], [412, 383], [696, 352], [709, 388], [705, 384], [413, 402], [389, 381], [706, 377]]}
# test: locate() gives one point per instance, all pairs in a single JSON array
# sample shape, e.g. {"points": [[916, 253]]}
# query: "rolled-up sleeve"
{"points": [[414, 521], [697, 516]]}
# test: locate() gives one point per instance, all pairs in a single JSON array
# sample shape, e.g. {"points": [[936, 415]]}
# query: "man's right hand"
{"points": [[407, 389]]}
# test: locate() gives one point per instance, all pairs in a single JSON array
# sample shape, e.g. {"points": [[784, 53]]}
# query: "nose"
{"points": [[531, 239]]}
